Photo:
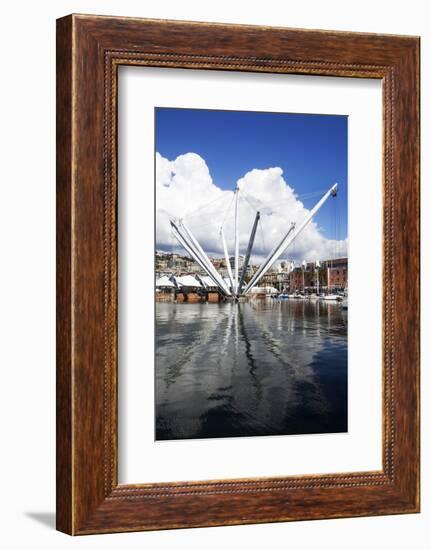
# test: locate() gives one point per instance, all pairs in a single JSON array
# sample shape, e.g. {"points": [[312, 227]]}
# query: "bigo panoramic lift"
{"points": [[234, 287]]}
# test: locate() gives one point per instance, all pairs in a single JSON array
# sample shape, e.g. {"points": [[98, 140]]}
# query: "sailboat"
{"points": [[331, 298]]}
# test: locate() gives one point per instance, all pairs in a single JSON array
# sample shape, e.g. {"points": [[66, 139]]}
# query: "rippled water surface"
{"points": [[257, 368]]}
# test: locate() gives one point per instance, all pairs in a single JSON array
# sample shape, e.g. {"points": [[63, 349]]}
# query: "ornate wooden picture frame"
{"points": [[89, 51]]}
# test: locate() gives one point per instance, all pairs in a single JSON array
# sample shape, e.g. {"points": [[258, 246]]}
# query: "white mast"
{"points": [[236, 242], [287, 240], [226, 257]]}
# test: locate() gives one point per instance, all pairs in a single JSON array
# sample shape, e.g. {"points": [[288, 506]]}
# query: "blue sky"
{"points": [[310, 149]]}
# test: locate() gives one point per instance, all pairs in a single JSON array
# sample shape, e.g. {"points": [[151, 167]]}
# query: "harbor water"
{"points": [[262, 367]]}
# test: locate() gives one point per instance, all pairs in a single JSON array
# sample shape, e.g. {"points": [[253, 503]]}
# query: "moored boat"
{"points": [[331, 298]]}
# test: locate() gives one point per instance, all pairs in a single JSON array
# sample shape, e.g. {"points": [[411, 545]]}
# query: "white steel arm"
{"points": [[182, 240], [269, 260], [203, 257], [287, 240]]}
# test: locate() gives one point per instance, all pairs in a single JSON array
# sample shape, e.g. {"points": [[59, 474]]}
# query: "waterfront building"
{"points": [[309, 277], [331, 275]]}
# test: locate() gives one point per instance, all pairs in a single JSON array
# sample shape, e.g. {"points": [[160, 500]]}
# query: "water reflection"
{"points": [[256, 368]]}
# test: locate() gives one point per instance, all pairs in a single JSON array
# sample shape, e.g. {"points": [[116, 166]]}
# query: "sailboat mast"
{"points": [[303, 277]]}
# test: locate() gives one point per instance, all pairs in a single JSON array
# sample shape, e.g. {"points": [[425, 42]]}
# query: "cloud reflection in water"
{"points": [[255, 368]]}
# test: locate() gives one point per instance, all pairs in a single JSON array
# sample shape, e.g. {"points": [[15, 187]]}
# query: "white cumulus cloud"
{"points": [[185, 189]]}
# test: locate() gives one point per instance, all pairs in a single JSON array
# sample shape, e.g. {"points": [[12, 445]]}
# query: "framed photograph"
{"points": [[237, 274]]}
